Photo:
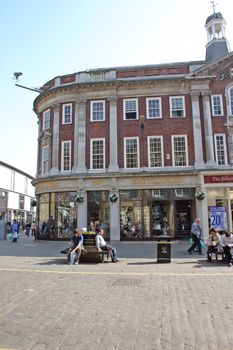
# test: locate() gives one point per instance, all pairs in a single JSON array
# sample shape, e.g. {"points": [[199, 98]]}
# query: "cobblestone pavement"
{"points": [[136, 304]]}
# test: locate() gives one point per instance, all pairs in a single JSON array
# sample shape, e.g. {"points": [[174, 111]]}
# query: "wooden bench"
{"points": [[90, 252], [219, 252]]}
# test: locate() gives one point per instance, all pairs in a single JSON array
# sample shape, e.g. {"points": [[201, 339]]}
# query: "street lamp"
{"points": [[40, 89]]}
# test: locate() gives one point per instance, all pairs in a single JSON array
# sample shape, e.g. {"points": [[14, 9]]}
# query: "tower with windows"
{"points": [[217, 45]]}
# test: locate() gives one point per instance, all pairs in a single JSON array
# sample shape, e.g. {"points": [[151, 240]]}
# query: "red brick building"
{"points": [[137, 148]]}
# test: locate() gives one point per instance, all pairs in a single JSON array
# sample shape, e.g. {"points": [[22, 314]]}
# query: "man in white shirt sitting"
{"points": [[102, 245], [227, 244]]}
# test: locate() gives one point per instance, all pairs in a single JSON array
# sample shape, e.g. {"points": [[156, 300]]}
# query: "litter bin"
{"points": [[163, 249]]}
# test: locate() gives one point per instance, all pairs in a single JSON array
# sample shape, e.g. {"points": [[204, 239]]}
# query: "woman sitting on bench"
{"points": [[213, 242]]}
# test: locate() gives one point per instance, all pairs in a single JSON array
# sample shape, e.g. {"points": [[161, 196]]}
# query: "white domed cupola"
{"points": [[217, 45]]}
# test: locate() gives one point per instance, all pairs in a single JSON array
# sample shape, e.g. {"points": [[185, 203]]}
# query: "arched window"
{"points": [[231, 100]]}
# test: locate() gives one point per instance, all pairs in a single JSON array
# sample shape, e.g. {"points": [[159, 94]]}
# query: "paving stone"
{"points": [[136, 304]]}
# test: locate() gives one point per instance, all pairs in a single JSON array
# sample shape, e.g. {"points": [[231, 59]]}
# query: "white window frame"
{"points": [[63, 155], [213, 97], [92, 140], [46, 119], [45, 169], [149, 151], [230, 95], [186, 150], [148, 107], [216, 149], [132, 111], [171, 98], [92, 110], [137, 152], [64, 113]]}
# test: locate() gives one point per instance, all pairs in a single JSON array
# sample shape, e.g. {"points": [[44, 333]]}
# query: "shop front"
{"points": [[146, 214], [220, 201], [143, 214], [127, 207]]}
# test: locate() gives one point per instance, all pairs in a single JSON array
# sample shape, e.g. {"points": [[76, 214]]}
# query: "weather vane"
{"points": [[213, 5]]}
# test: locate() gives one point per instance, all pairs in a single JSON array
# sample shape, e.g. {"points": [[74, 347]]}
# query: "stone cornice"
{"points": [[116, 84]]}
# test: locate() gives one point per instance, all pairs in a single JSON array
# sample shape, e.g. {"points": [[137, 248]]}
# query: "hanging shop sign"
{"points": [[218, 218]]}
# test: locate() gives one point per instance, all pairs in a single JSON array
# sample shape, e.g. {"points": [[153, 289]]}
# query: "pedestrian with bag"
{"points": [[196, 235]]}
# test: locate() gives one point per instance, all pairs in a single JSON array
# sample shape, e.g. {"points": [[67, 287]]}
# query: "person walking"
{"points": [[15, 231], [33, 229], [196, 234]]}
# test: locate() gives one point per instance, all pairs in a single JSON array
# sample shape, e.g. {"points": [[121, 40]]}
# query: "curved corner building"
{"points": [[133, 148]]}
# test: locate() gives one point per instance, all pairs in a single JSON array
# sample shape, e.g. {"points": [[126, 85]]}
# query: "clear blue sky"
{"points": [[48, 38]]}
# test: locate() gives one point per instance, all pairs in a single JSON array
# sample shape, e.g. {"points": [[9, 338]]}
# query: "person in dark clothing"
{"points": [[196, 234], [213, 242], [227, 244], [76, 248]]}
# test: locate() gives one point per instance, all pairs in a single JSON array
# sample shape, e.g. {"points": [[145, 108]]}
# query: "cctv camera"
{"points": [[17, 74]]}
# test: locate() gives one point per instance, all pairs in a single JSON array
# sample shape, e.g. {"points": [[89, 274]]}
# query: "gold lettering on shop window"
{"points": [[157, 181], [48, 185], [97, 182]]}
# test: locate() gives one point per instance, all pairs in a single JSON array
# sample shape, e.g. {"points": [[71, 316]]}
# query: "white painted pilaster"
{"points": [[202, 207], [115, 218], [198, 146], [55, 156], [82, 212], [113, 165], [38, 166], [210, 160], [80, 137]]}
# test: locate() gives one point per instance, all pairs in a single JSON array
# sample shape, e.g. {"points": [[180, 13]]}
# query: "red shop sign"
{"points": [[218, 178]]}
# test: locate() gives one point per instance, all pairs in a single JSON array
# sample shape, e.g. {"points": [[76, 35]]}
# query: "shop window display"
{"points": [[57, 215], [147, 214], [98, 211], [131, 224]]}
